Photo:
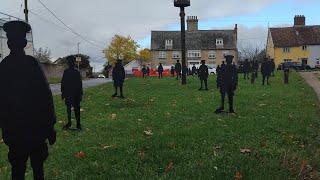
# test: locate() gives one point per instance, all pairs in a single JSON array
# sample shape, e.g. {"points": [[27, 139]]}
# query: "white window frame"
{"points": [[194, 53], [162, 54], [175, 55], [212, 54], [286, 49], [219, 42], [304, 48], [287, 60], [225, 53], [169, 44]]}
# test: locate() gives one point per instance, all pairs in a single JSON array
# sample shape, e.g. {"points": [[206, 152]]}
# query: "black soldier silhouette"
{"points": [[172, 71], [27, 114], [255, 68], [273, 66], [177, 67], [193, 70], [246, 69], [203, 75], [148, 71], [71, 91], [265, 70], [144, 71], [118, 76], [227, 81], [160, 70]]}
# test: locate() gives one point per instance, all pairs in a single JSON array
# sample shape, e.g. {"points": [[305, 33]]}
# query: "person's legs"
{"points": [[68, 104], [76, 107], [121, 93], [263, 79], [230, 98], [37, 158], [268, 79], [206, 84], [201, 82], [18, 158], [116, 91]]}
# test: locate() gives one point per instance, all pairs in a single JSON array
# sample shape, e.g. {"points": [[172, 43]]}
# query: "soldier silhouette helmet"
{"points": [[16, 34], [229, 59], [71, 60]]}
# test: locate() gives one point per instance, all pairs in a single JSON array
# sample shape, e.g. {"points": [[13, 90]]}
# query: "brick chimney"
{"points": [[192, 23], [236, 31], [299, 20]]}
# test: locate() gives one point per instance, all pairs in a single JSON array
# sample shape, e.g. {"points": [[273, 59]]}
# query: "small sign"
{"points": [[78, 59]]}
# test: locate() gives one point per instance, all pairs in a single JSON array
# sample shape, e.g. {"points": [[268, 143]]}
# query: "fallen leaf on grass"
{"points": [[303, 165], [263, 145], [291, 136], [113, 116], [80, 155], [147, 106], [237, 176], [262, 104], [216, 168], [147, 133], [81, 110], [1, 141], [169, 167], [103, 146], [61, 122], [216, 147], [245, 150], [141, 153]]}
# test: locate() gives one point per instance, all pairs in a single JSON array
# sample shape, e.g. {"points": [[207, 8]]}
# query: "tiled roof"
{"points": [[295, 36], [202, 39]]}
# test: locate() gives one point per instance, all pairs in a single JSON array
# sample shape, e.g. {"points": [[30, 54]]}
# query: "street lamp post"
{"points": [[182, 4]]}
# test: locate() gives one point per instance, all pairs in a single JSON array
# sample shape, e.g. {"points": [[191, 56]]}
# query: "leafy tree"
{"points": [[124, 48], [84, 64], [144, 55], [43, 55]]}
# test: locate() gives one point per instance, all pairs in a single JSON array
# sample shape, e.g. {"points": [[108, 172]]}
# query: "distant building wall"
{"points": [[314, 55], [56, 70]]}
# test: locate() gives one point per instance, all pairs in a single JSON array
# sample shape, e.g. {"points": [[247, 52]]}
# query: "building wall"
{"points": [[314, 55], [296, 54], [56, 70], [168, 61], [270, 47]]}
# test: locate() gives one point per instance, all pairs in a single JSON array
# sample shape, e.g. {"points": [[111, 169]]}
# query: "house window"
{"points": [[304, 48], [287, 60], [225, 53], [286, 49], [219, 42], [162, 54], [175, 55], [212, 55], [194, 53], [169, 43]]}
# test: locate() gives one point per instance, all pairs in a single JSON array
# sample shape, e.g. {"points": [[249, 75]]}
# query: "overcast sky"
{"points": [[99, 20]]}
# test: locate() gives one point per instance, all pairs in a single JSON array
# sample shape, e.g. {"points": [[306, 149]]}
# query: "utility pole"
{"points": [[78, 57], [26, 10]]}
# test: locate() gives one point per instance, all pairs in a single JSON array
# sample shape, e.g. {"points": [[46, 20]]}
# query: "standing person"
{"points": [[107, 69], [227, 81], [144, 71], [218, 69], [286, 73], [265, 71], [253, 72], [160, 70], [172, 71], [223, 64], [256, 68], [273, 66], [118, 76], [203, 74], [148, 71], [246, 69], [27, 114], [194, 70], [177, 67], [71, 91]]}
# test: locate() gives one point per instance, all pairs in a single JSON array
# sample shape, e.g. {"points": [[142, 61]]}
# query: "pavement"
{"points": [[56, 88], [313, 81]]}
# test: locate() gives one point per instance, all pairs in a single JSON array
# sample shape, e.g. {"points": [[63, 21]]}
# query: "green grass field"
{"points": [[54, 80], [279, 124]]}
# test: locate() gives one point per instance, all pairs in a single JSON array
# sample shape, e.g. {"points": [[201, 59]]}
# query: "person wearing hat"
{"points": [[118, 76], [27, 114], [265, 70], [246, 69], [144, 71], [203, 74], [177, 68], [71, 91], [227, 81], [160, 70], [273, 66]]}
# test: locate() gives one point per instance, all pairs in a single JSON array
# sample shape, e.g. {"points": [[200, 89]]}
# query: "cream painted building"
{"points": [[209, 45]]}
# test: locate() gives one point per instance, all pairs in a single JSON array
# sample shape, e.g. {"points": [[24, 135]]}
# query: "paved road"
{"points": [[56, 88], [313, 81]]}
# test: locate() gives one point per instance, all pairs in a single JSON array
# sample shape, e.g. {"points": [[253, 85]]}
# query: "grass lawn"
{"points": [[279, 124], [54, 80]]}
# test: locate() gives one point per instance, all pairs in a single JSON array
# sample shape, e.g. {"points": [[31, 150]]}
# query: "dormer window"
{"points": [[169, 43], [219, 42]]}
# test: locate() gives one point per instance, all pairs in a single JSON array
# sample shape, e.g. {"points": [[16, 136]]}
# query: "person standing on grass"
{"points": [[273, 66], [246, 69], [203, 75], [144, 71], [227, 81], [255, 67], [193, 70], [177, 67], [118, 76], [148, 71], [72, 91], [27, 114], [172, 71], [160, 70], [265, 71]]}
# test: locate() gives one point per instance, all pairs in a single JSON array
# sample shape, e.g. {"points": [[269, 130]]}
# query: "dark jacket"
{"points": [[71, 83], [27, 114], [227, 78], [203, 72], [118, 74], [160, 69], [265, 68], [177, 67], [144, 70], [246, 67]]}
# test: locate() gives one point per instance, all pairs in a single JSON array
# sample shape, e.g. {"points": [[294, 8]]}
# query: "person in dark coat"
{"points": [[218, 69], [194, 70], [148, 71], [223, 64], [253, 73], [144, 71], [177, 68], [172, 71], [71, 91], [256, 68], [160, 70], [27, 114], [246, 69], [203, 75], [227, 81], [107, 70], [118, 76], [265, 71], [273, 66]]}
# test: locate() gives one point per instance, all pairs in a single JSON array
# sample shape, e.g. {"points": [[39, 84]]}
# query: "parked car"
{"points": [[101, 76], [211, 70], [293, 65]]}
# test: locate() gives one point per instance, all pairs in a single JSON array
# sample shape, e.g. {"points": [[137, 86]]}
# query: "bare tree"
{"points": [[43, 55], [251, 49]]}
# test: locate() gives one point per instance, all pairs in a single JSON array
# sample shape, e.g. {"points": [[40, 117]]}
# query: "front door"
{"points": [[304, 61]]}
